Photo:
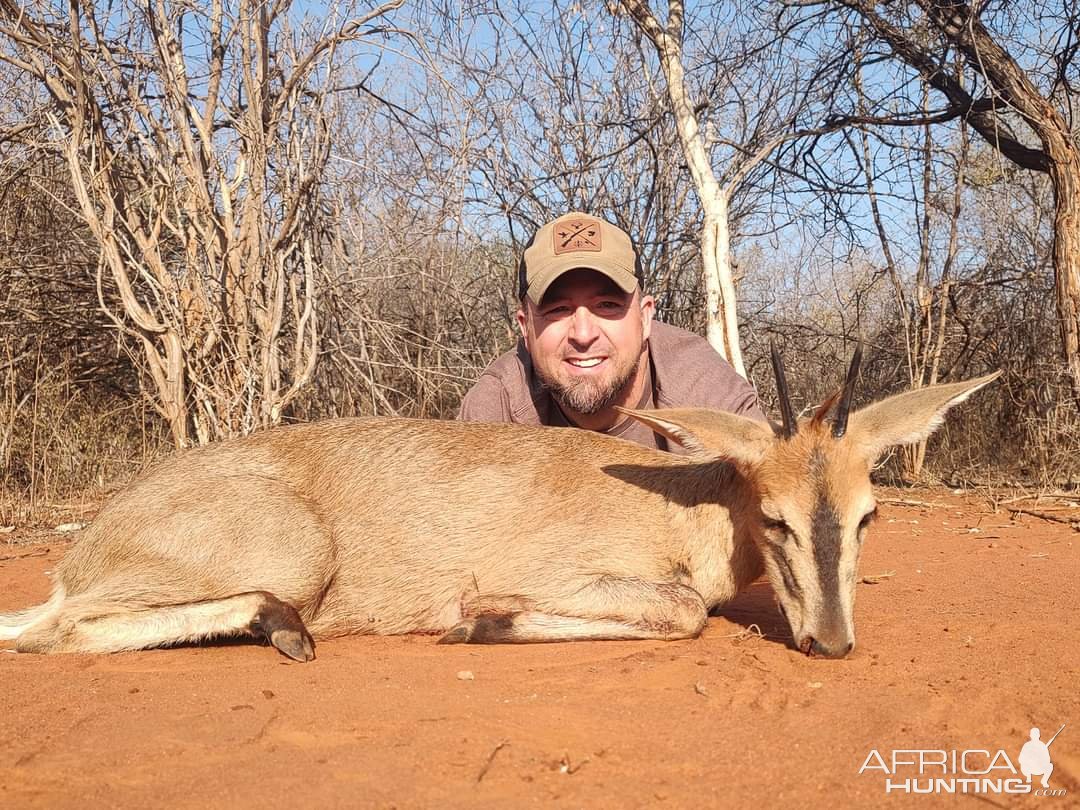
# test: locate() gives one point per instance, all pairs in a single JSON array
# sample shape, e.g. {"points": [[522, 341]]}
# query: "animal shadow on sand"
{"points": [[755, 610]]}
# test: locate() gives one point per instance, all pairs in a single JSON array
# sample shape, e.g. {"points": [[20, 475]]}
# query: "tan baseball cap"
{"points": [[577, 241]]}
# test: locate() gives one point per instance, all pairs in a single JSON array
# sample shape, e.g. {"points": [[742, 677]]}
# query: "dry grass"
{"points": [[68, 450]]}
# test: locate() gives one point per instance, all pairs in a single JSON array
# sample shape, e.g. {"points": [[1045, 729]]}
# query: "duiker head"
{"points": [[812, 478]]}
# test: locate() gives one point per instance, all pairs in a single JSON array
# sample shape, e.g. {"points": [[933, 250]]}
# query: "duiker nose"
{"points": [[812, 646]]}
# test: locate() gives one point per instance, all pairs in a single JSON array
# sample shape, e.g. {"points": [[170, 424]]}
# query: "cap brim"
{"points": [[624, 278]]}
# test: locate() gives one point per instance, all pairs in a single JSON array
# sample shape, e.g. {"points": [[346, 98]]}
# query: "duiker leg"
{"points": [[102, 628], [607, 608]]}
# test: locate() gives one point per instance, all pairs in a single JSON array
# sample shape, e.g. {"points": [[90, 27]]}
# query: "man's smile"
{"points": [[585, 364]]}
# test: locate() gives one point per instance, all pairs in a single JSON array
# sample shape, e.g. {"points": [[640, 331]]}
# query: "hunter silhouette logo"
{"points": [[974, 770], [576, 234], [1034, 757]]}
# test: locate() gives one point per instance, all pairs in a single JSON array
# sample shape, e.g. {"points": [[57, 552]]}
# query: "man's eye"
{"points": [[609, 309], [557, 312]]}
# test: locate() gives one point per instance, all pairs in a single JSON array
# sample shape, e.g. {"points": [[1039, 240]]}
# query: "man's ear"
{"points": [[522, 320], [648, 311], [909, 417], [710, 434]]}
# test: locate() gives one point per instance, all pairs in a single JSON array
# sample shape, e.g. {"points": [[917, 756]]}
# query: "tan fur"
{"points": [[494, 532]]}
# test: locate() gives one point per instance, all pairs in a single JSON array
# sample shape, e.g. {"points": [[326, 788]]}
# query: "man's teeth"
{"points": [[594, 361]]}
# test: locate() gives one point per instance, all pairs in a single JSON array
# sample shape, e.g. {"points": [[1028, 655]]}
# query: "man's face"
{"points": [[586, 338]]}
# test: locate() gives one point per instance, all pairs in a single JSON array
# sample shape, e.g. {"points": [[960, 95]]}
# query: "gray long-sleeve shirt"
{"points": [[685, 372]]}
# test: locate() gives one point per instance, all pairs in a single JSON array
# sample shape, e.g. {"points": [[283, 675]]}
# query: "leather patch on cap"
{"points": [[576, 234]]}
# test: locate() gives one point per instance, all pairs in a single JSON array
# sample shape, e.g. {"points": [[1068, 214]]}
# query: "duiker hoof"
{"points": [[296, 644], [282, 626], [458, 634], [487, 628]]}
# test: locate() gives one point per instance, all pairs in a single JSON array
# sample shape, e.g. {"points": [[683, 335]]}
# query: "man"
{"points": [[589, 343], [1035, 758]]}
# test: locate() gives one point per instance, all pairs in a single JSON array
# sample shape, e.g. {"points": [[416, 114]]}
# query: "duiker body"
{"points": [[483, 532]]}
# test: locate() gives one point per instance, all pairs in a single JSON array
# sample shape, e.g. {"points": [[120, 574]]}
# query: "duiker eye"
{"points": [[868, 518], [776, 525]]}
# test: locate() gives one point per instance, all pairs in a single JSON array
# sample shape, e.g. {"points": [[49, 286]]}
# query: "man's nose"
{"points": [[583, 327]]}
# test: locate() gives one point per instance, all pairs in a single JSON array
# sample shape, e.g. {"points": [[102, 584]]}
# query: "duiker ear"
{"points": [[709, 434], [909, 417]]}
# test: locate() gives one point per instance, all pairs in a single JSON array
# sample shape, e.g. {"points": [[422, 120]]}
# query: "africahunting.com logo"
{"points": [[975, 770]]}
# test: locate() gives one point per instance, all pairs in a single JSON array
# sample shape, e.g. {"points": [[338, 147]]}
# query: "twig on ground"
{"points": [[565, 766], [39, 552], [910, 502], [748, 632], [1074, 522], [1018, 498], [874, 579], [490, 759]]}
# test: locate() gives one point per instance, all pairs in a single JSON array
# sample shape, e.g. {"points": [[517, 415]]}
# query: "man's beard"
{"points": [[588, 396]]}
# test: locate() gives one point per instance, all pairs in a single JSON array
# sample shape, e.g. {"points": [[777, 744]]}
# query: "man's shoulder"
{"points": [[691, 373], [511, 369], [680, 352], [504, 391], [672, 339]]}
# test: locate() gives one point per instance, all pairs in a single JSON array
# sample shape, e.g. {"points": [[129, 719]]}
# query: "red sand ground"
{"points": [[968, 645]]}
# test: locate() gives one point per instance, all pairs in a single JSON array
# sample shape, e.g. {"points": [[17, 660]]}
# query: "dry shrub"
{"points": [[67, 441], [72, 420]]}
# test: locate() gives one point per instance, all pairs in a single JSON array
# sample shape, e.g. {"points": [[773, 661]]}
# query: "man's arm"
{"points": [[743, 399], [486, 401]]}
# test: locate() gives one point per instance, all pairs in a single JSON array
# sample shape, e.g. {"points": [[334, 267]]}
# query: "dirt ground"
{"points": [[966, 643]]}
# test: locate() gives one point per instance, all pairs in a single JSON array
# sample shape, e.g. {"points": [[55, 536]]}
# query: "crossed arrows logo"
{"points": [[577, 234]]}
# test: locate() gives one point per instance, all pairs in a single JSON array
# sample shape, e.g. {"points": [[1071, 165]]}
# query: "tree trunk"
{"points": [[721, 324], [721, 318], [1065, 176]]}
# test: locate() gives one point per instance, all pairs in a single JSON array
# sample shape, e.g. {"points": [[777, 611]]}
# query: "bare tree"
{"points": [[922, 311], [561, 117], [722, 326], [1004, 102], [758, 98], [196, 138]]}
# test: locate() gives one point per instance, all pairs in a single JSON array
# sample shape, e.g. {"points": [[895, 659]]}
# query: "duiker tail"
{"points": [[13, 625]]}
